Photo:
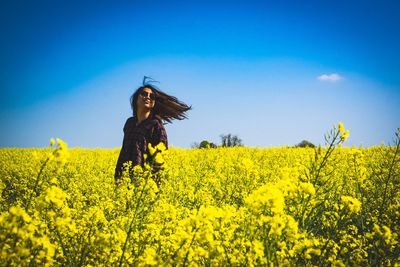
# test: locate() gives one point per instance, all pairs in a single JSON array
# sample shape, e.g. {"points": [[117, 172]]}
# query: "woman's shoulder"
{"points": [[130, 122]]}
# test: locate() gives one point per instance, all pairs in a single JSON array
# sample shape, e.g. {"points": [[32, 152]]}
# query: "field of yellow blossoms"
{"points": [[329, 206]]}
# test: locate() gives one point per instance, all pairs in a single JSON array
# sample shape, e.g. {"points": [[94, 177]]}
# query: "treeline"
{"points": [[227, 140], [230, 140]]}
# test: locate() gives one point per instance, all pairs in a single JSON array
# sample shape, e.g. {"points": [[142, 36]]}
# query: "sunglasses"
{"points": [[148, 94]]}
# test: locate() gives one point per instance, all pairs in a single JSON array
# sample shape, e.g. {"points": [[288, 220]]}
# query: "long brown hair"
{"points": [[166, 107]]}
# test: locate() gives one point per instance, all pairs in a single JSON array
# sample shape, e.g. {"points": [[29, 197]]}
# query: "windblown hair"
{"points": [[166, 107]]}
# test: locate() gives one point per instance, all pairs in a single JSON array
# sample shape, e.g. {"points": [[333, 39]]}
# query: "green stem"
{"points": [[388, 179], [131, 228], [191, 243], [36, 184], [326, 156], [84, 251]]}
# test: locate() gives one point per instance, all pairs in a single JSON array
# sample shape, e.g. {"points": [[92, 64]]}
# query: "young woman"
{"points": [[151, 108]]}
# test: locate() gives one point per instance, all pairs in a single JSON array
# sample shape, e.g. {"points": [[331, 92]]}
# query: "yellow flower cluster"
{"points": [[351, 203], [344, 134], [218, 207]]}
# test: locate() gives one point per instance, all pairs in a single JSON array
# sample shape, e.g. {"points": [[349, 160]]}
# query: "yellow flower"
{"points": [[345, 135], [150, 256], [266, 196], [159, 159], [48, 246], [353, 204], [277, 225], [341, 127], [161, 146], [152, 150], [307, 188], [52, 142], [387, 233], [311, 251], [61, 143], [258, 248], [56, 196], [19, 212]]}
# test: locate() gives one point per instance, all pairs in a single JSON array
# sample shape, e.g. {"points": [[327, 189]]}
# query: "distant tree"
{"points": [[212, 145], [204, 144], [305, 143], [229, 140]]}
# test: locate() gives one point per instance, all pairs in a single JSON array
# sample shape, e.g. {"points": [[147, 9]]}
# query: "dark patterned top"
{"points": [[136, 139]]}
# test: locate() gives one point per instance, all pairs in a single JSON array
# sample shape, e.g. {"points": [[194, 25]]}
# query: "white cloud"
{"points": [[333, 77]]}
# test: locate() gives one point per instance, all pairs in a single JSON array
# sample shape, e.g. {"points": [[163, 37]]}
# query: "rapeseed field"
{"points": [[325, 206]]}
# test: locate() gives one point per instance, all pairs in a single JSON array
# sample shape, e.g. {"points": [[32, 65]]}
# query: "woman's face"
{"points": [[146, 99]]}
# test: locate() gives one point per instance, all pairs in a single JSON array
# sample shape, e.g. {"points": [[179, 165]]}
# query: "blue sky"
{"points": [[271, 73]]}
